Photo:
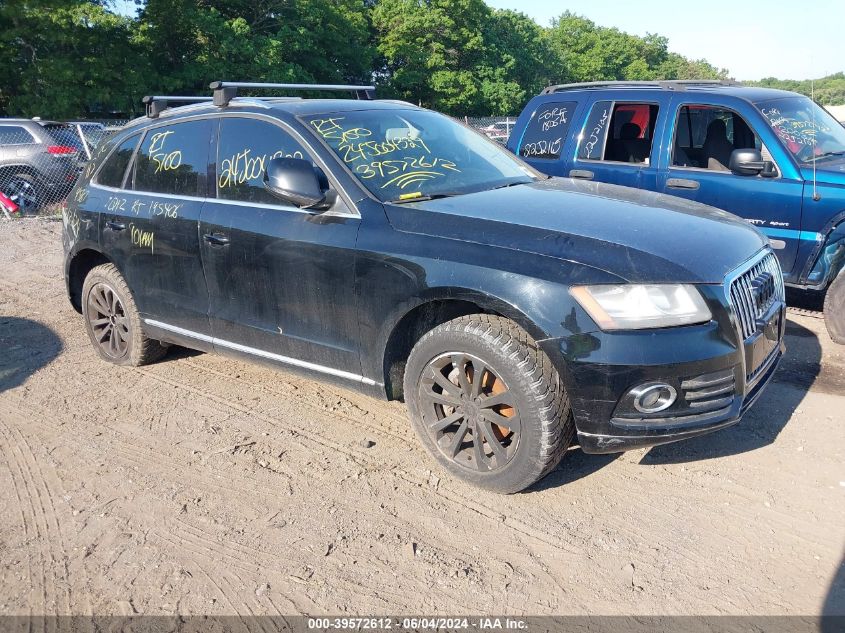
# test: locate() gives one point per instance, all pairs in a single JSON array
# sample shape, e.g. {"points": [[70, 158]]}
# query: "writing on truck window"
{"points": [[591, 145], [808, 131], [403, 154], [385, 160], [246, 147], [546, 131]]}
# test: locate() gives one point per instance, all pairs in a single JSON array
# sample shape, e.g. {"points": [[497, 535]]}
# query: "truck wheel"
{"points": [[834, 308], [112, 320], [24, 192], [487, 403]]}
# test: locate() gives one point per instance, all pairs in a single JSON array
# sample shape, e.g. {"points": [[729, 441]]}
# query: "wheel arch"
{"points": [[828, 259], [78, 267], [427, 312]]}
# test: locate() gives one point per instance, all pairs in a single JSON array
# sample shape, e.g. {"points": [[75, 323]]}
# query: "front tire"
{"points": [[834, 308], [487, 403], [112, 320]]}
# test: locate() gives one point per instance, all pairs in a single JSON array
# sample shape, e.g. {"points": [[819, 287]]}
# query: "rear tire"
{"points": [[487, 403], [24, 191], [112, 320], [834, 308]]}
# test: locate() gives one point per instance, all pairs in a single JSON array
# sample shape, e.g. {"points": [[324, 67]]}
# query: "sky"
{"points": [[751, 38]]}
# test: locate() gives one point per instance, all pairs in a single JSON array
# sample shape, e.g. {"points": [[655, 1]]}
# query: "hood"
{"points": [[638, 236], [830, 172]]}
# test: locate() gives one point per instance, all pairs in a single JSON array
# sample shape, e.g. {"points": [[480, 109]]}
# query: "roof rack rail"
{"points": [[159, 103], [668, 84], [225, 91]]}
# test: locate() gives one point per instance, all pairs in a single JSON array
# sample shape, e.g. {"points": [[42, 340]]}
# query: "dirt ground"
{"points": [[206, 485]]}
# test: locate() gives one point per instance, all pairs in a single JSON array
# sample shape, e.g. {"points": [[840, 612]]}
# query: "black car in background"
{"points": [[400, 253], [39, 162]]}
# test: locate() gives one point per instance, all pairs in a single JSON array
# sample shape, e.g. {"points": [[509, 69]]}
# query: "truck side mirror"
{"points": [[295, 180], [749, 162]]}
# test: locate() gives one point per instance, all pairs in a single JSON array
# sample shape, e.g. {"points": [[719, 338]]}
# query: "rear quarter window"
{"points": [[114, 168], [546, 132]]}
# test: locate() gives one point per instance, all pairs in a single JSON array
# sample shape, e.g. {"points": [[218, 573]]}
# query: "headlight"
{"points": [[641, 306]]}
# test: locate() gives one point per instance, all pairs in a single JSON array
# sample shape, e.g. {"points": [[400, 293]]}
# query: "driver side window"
{"points": [[245, 148], [705, 137]]}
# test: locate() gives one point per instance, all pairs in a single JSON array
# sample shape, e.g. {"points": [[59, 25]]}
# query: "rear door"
{"points": [[151, 225], [705, 132], [280, 278], [616, 144]]}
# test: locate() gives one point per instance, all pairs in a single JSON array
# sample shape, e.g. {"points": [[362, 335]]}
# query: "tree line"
{"points": [[828, 90], [75, 58]]}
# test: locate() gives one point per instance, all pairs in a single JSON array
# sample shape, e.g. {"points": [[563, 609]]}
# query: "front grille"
{"points": [[754, 291]]}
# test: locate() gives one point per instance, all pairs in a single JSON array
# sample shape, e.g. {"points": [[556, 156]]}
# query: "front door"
{"points": [[705, 135], [280, 278]]}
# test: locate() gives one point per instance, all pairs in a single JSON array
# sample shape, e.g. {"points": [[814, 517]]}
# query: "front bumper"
{"points": [[716, 374]]}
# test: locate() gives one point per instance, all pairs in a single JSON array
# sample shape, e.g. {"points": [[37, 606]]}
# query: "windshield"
{"points": [[403, 155], [808, 131]]}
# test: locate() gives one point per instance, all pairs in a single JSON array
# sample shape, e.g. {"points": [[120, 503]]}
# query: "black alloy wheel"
{"points": [[469, 412]]}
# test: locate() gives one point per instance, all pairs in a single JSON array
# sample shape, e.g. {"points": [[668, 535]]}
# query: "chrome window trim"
{"points": [[131, 192], [287, 360]]}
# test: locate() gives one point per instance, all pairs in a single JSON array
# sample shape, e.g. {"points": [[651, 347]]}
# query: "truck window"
{"points": [[15, 135], [705, 137], [619, 132], [173, 159], [245, 148], [546, 132], [112, 172]]}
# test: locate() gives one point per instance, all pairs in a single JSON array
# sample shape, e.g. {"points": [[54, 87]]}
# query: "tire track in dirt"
{"points": [[363, 460], [40, 537], [25, 524], [58, 545]]}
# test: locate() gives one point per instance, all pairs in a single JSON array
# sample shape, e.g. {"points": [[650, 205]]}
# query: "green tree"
{"points": [[61, 58]]}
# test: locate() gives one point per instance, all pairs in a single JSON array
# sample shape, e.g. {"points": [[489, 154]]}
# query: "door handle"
{"points": [[216, 239], [115, 226], [581, 173], [682, 183]]}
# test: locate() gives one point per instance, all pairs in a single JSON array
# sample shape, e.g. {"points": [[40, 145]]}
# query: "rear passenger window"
{"points": [[619, 132], [15, 135], [112, 172], [244, 149], [545, 133], [174, 159]]}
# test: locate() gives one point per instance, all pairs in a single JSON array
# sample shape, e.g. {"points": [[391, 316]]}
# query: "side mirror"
{"points": [[295, 180], [749, 162]]}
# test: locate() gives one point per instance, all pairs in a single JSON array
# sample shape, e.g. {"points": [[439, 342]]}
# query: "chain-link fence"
{"points": [[41, 160], [497, 128]]}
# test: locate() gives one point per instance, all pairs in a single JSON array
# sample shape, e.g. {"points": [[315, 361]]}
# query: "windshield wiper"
{"points": [[425, 196], [827, 155], [512, 184]]}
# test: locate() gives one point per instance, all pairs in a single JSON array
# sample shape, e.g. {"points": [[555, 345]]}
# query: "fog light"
{"points": [[654, 397]]}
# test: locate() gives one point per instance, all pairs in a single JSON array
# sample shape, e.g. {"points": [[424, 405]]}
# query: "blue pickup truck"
{"points": [[772, 157]]}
